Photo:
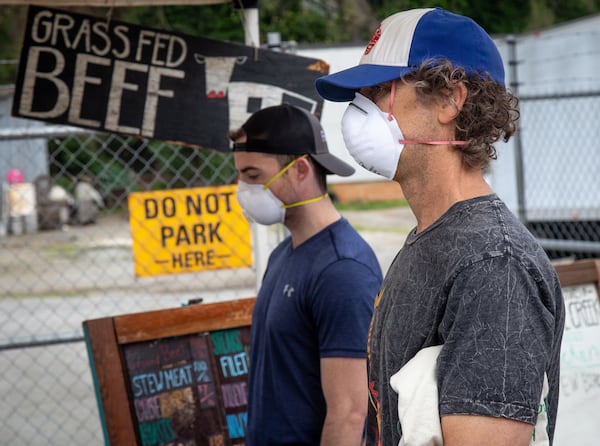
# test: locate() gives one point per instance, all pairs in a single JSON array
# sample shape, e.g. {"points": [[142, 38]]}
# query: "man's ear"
{"points": [[450, 109], [303, 167]]}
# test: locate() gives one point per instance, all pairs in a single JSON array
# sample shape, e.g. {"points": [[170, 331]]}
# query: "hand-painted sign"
{"points": [[189, 389], [579, 400], [188, 230], [173, 377], [117, 77], [580, 365]]}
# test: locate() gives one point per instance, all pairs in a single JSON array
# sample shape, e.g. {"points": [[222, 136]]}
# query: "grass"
{"points": [[63, 250], [370, 205]]}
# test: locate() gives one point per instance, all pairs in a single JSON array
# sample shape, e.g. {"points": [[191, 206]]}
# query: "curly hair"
{"points": [[490, 111]]}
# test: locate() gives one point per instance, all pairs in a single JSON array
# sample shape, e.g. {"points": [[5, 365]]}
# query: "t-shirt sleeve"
{"points": [[497, 337], [343, 306]]}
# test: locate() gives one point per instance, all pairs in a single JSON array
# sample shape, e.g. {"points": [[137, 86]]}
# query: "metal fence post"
{"points": [[514, 85]]}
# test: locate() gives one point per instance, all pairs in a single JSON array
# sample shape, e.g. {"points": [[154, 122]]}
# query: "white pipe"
{"points": [[251, 28]]}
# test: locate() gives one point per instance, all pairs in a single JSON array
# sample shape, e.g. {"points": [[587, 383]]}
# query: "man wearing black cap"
{"points": [[308, 376], [464, 345]]}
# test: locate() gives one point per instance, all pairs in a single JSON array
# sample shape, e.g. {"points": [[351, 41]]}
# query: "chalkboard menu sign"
{"points": [[579, 400], [173, 377]]}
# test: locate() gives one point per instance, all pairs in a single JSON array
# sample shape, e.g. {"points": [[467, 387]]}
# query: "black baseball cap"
{"points": [[288, 130]]}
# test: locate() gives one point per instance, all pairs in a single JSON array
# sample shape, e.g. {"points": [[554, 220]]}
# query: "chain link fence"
{"points": [[561, 165], [555, 75], [53, 278]]}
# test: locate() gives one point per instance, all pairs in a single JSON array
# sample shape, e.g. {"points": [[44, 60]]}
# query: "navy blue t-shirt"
{"points": [[315, 302]]}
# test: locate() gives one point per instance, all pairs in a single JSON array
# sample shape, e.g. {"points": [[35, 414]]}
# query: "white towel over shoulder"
{"points": [[416, 386]]}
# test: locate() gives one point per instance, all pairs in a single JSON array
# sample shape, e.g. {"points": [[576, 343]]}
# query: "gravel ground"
{"points": [[53, 261], [385, 230]]}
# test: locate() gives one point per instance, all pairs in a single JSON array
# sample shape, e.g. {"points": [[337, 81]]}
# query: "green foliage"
{"points": [[370, 205], [570, 10], [304, 21], [500, 16], [308, 25], [115, 176], [540, 15], [336, 21], [214, 21], [12, 19], [292, 20], [120, 165], [175, 166]]}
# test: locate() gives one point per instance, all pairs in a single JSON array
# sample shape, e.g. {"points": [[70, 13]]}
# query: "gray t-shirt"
{"points": [[478, 283]]}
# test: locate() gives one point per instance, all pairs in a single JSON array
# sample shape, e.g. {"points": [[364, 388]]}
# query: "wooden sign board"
{"points": [[579, 399], [117, 77], [173, 377]]}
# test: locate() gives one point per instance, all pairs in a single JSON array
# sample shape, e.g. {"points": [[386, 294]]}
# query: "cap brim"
{"points": [[333, 165], [341, 86]]}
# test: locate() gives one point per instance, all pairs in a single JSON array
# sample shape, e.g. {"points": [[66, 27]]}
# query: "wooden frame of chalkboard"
{"points": [[146, 364], [581, 272]]}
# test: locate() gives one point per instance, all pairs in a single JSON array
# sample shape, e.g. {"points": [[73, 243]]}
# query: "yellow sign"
{"points": [[188, 230]]}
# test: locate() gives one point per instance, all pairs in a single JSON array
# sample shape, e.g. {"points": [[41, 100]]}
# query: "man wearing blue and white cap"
{"points": [[428, 102]]}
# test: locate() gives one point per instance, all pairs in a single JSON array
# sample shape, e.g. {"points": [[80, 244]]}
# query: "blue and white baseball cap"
{"points": [[406, 39]]}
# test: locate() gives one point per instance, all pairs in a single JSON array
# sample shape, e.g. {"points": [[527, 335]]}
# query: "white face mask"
{"points": [[372, 139], [259, 204]]}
